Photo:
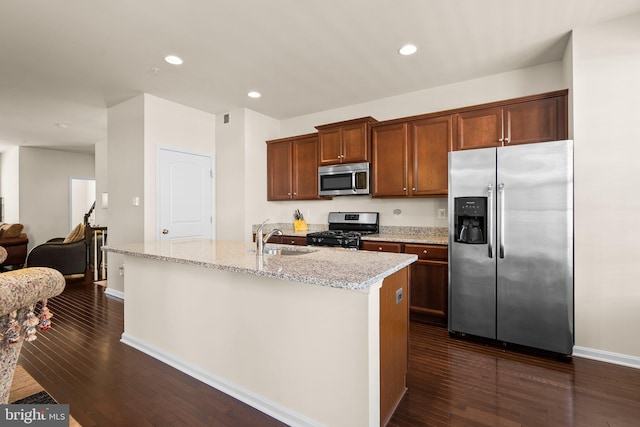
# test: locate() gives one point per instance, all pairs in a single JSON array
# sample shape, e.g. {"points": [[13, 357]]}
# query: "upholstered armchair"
{"points": [[15, 242], [67, 255], [20, 317]]}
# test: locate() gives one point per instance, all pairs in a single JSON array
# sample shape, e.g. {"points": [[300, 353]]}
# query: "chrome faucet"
{"points": [[262, 239]]}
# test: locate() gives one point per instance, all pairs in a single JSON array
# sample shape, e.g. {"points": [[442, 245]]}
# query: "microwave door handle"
{"points": [[353, 182]]}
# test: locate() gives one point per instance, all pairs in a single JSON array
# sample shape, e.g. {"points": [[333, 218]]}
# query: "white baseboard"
{"points": [[607, 356], [114, 293], [252, 399]]}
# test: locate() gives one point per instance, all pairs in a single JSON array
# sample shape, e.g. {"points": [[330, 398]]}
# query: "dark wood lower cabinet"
{"points": [[429, 292], [428, 279]]}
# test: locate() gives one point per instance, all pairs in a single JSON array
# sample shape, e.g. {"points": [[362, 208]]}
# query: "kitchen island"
{"points": [[314, 337]]}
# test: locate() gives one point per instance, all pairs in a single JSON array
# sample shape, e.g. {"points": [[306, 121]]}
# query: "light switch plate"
{"points": [[442, 213]]}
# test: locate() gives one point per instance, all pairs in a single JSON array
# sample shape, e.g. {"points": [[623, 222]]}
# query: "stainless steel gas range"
{"points": [[346, 229]]}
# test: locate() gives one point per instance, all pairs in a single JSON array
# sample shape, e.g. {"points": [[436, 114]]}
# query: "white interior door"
{"points": [[185, 195]]}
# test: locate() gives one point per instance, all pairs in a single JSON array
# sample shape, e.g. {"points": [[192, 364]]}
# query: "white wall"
{"points": [[44, 190], [606, 61], [230, 175], [10, 184], [125, 179], [241, 167], [101, 168], [415, 212], [135, 130], [258, 129], [169, 124]]}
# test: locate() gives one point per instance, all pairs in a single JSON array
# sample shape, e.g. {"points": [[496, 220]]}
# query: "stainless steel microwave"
{"points": [[343, 180]]}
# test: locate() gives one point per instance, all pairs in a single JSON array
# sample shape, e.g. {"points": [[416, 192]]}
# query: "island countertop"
{"points": [[338, 268]]}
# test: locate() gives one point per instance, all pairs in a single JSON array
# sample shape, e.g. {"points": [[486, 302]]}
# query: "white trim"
{"points": [[607, 356], [252, 399], [114, 293]]}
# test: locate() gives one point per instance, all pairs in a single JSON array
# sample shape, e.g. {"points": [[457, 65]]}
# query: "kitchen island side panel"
{"points": [[306, 354]]}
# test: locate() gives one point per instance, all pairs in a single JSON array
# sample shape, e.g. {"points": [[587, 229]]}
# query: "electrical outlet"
{"points": [[442, 213], [399, 296], [121, 269]]}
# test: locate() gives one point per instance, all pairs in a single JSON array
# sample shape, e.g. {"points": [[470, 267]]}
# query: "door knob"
{"points": [[165, 231]]}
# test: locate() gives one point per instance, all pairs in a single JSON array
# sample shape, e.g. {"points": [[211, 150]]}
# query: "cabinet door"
{"points": [[429, 292], [533, 121], [355, 143], [389, 155], [279, 167], [479, 129], [305, 168], [330, 146], [431, 141]]}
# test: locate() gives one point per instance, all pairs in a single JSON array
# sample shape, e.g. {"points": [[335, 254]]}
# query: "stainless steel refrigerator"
{"points": [[511, 244]]}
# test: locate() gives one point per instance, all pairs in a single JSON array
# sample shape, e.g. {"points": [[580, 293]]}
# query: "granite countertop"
{"points": [[334, 267]]}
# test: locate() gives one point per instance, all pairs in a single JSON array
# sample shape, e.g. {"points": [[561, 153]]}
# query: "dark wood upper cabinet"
{"points": [[537, 118], [431, 141], [479, 129], [345, 142], [292, 168], [409, 159], [409, 156], [390, 160]]}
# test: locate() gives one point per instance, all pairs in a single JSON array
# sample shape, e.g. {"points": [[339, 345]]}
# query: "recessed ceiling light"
{"points": [[408, 49], [254, 94], [62, 125], [173, 60]]}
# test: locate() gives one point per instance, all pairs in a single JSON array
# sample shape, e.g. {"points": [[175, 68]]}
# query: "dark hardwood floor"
{"points": [[81, 361]]}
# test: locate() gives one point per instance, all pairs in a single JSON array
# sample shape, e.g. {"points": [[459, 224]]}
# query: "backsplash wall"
{"points": [[419, 212]]}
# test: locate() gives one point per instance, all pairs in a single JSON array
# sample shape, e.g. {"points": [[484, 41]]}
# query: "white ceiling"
{"points": [[67, 61]]}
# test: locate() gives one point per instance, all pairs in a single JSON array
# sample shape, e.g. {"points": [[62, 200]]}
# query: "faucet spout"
{"points": [[261, 238], [266, 238]]}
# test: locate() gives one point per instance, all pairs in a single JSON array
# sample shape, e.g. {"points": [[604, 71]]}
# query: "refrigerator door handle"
{"points": [[490, 219], [501, 199]]}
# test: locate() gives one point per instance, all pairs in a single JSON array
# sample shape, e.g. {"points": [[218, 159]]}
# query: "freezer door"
{"points": [[535, 245], [472, 268]]}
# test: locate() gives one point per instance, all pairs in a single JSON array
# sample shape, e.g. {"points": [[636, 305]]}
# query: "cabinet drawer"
{"points": [[382, 246], [294, 240], [428, 252]]}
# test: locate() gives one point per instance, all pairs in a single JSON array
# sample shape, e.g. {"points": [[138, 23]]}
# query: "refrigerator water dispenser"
{"points": [[470, 220]]}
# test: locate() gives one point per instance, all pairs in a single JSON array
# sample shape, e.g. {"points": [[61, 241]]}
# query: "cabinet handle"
{"points": [[413, 189], [379, 248], [404, 189], [507, 140], [424, 251], [501, 140]]}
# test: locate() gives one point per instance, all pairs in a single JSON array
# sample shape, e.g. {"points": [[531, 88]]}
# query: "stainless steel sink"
{"points": [[286, 251]]}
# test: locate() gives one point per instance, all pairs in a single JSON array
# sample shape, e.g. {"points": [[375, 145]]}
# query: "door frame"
{"points": [[211, 157], [73, 195]]}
